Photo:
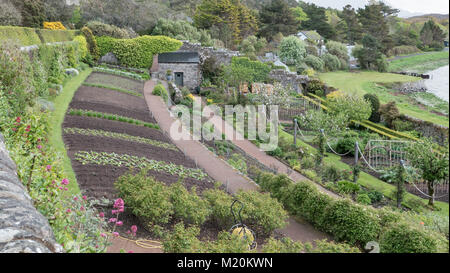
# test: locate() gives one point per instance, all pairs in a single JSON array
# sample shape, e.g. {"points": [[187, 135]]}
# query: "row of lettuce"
{"points": [[28, 82]]}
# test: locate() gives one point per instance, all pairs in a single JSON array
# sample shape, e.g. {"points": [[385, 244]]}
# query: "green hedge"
{"points": [[30, 36], [137, 52], [351, 222]]}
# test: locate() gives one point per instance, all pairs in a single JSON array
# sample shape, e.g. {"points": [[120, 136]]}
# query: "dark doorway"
{"points": [[179, 78]]}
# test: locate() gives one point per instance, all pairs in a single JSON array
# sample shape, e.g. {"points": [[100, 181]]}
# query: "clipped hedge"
{"points": [[137, 52], [351, 222], [30, 36], [23, 35]]}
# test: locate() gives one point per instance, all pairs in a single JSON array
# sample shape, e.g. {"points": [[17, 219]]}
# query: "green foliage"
{"points": [[189, 207], [332, 62], [347, 187], [148, 199], [220, 202], [237, 161], [285, 245], [182, 240], [9, 15], [92, 43], [370, 55], [318, 20], [138, 52], [352, 106], [53, 36], [324, 246], [278, 17], [389, 112], [375, 103], [432, 36], [101, 29], [346, 143], [252, 46], [226, 243], [339, 50], [258, 71], [160, 90], [21, 35], [364, 199], [105, 44], [33, 13], [292, 50], [405, 238], [315, 62], [182, 30]]}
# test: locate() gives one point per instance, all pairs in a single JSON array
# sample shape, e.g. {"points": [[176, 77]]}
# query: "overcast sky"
{"points": [[415, 6]]}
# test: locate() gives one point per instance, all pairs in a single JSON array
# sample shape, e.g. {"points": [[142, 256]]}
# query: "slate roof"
{"points": [[179, 57], [312, 34]]}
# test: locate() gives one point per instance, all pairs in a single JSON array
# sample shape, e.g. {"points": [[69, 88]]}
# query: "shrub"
{"points": [[182, 240], [405, 238], [348, 187], [351, 223], [323, 246], [262, 211], [339, 50], [316, 86], [160, 90], [346, 143], [82, 46], [188, 206], [147, 198], [363, 199], [389, 112], [332, 173], [105, 44], [314, 62], [9, 15], [257, 71], [292, 50], [22, 36], [402, 125], [101, 29], [182, 30], [226, 243], [375, 103], [284, 245], [138, 52], [375, 196], [92, 43], [332, 63], [354, 107], [54, 26], [307, 162], [220, 202], [403, 50], [237, 161]]}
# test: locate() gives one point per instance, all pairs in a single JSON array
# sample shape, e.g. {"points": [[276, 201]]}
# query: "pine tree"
{"points": [[278, 17]]}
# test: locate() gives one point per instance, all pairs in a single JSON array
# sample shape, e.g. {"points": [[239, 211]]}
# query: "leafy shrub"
{"points": [[220, 202], [54, 26], [256, 70], [339, 50], [101, 29], [389, 112], [21, 35], [148, 199], [323, 246], [351, 223], [314, 62], [138, 52], [302, 68], [226, 243], [92, 43], [375, 196], [402, 125], [182, 30], [292, 50], [182, 240], [403, 50], [307, 162], [284, 245], [53, 36], [237, 161], [105, 44], [160, 90], [316, 86], [405, 238], [9, 14], [364, 199], [332, 173], [346, 143], [311, 174], [188, 206], [375, 103], [83, 46], [348, 187], [353, 106], [332, 63], [262, 211]]}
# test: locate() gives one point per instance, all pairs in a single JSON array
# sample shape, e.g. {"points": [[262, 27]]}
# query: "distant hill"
{"points": [[440, 18]]}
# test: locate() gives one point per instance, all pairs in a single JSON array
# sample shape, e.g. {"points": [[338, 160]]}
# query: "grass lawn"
{"points": [[368, 181], [55, 138], [370, 82], [420, 63]]}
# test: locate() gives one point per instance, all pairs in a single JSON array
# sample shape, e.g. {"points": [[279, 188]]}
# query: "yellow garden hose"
{"points": [[147, 244]]}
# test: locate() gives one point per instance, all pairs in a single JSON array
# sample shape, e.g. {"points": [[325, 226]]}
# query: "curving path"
{"points": [[218, 169]]}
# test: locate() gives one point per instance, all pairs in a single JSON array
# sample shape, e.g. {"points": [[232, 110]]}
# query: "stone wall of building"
{"points": [[192, 76], [221, 55], [289, 79], [22, 228]]}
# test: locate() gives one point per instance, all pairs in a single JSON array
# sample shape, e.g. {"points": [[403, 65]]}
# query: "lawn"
{"points": [[372, 82], [420, 63], [368, 181], [61, 104]]}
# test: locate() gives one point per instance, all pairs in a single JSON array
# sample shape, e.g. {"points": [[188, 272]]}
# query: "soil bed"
{"points": [[117, 81], [105, 108]]}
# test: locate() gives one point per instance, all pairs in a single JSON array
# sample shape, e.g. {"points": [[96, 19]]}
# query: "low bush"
{"points": [[147, 198], [189, 207], [92, 43], [314, 62], [101, 29], [21, 35], [161, 91], [403, 50], [332, 62], [347, 187], [182, 240], [105, 44], [346, 143], [364, 199]]}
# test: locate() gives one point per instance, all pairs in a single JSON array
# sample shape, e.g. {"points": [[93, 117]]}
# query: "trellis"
{"points": [[382, 154], [295, 108]]}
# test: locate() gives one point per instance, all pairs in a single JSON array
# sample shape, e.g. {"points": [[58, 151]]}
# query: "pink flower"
{"points": [[134, 228], [131, 251], [114, 211], [82, 208], [101, 214], [39, 147], [115, 234], [112, 220], [119, 203], [49, 167], [66, 189], [102, 235], [84, 197], [18, 119], [119, 223], [65, 181], [68, 210], [75, 198], [28, 128]]}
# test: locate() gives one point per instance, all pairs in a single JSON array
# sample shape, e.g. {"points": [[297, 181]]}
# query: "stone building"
{"points": [[184, 67]]}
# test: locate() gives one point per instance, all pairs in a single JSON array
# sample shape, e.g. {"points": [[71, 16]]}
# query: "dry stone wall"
{"points": [[22, 228]]}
